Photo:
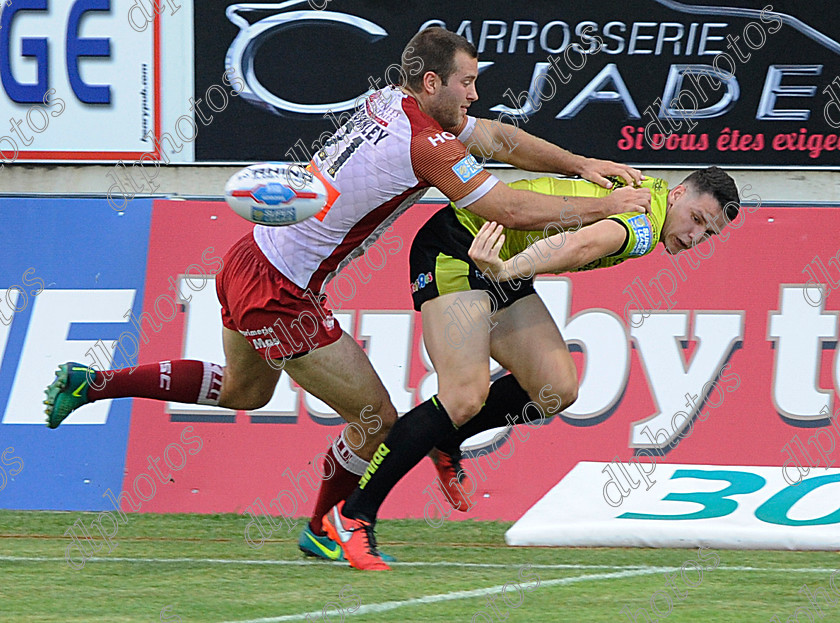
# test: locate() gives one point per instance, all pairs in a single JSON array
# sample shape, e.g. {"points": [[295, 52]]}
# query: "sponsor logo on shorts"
{"points": [[253, 332], [467, 168], [328, 322], [422, 281], [259, 342], [644, 235]]}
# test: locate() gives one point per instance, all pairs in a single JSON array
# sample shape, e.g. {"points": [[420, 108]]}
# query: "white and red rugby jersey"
{"points": [[380, 162]]}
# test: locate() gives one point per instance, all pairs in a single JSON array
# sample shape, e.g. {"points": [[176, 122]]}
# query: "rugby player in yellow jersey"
{"points": [[679, 219], [462, 265]]}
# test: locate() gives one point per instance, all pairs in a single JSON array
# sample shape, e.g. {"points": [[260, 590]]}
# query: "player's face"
{"points": [[448, 106], [692, 217]]}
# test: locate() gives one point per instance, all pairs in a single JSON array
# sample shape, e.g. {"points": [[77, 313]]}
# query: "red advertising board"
{"points": [[734, 309]]}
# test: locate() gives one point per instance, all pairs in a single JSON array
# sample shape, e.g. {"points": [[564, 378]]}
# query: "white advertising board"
{"points": [[82, 80], [667, 505]]}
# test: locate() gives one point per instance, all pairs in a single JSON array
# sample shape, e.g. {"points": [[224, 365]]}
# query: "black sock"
{"points": [[506, 398], [410, 439]]}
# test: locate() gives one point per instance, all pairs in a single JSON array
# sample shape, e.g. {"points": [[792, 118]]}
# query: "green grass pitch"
{"points": [[199, 568]]}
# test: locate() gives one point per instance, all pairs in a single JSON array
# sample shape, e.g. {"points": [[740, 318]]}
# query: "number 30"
{"points": [[718, 503]]}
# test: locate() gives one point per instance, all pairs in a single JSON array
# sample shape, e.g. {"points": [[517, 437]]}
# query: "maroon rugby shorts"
{"points": [[281, 320]]}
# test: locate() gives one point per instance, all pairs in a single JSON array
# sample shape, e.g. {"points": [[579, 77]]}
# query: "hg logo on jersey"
{"points": [[422, 281], [467, 168], [641, 227]]}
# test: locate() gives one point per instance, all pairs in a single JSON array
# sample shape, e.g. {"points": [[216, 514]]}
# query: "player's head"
{"points": [[440, 69], [700, 206]]}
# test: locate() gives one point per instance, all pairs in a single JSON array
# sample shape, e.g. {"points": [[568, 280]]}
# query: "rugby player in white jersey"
{"points": [[400, 142]]}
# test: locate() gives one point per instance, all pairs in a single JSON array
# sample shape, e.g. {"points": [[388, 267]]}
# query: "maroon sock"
{"points": [[182, 380], [333, 490]]}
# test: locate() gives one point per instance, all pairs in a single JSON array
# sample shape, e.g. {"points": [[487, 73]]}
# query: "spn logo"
{"points": [[14, 463], [37, 48]]}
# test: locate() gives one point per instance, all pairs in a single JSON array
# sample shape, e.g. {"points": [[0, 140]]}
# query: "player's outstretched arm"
{"points": [[510, 144], [528, 210], [556, 254]]}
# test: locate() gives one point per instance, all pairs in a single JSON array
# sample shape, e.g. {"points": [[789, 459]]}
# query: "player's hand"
{"points": [[628, 199], [597, 171], [485, 248]]}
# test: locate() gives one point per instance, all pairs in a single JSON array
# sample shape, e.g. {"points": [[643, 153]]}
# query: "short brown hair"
{"points": [[435, 47]]}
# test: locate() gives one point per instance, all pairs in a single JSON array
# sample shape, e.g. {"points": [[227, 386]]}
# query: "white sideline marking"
{"points": [[302, 563], [479, 592], [626, 571], [442, 563]]}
